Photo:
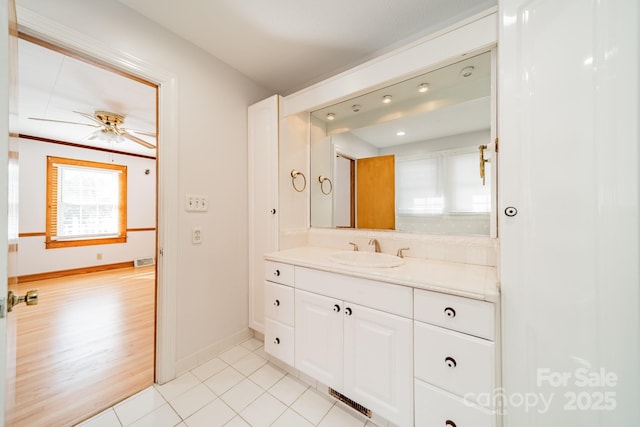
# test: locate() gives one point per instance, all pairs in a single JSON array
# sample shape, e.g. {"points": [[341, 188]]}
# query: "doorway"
{"points": [[98, 297]]}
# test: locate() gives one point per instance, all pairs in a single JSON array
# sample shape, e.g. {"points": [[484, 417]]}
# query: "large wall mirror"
{"points": [[407, 157]]}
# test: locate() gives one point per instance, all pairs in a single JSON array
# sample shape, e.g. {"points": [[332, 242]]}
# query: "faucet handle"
{"points": [[400, 254], [355, 247]]}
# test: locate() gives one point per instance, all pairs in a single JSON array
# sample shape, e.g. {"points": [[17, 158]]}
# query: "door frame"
{"points": [[53, 32]]}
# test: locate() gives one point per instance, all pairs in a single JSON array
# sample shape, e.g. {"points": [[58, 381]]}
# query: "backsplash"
{"points": [[465, 249]]}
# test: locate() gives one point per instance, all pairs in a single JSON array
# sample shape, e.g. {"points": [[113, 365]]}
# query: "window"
{"points": [[86, 203], [442, 183]]}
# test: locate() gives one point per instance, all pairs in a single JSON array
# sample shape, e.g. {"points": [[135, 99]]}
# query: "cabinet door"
{"points": [[263, 199], [318, 337], [378, 362]]}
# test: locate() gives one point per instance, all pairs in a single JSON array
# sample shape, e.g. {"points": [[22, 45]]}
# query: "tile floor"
{"points": [[240, 387]]}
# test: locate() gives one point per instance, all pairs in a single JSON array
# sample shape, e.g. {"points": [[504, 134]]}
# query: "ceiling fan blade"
{"points": [[94, 135], [136, 139], [64, 121], [89, 116], [141, 132]]}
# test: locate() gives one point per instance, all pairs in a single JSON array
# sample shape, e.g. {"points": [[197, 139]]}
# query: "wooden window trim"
{"points": [[52, 204]]}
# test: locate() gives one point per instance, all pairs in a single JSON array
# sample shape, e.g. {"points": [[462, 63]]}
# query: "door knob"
{"points": [[30, 298]]}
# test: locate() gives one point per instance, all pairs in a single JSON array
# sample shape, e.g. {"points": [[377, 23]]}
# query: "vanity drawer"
{"points": [[278, 340], [279, 273], [459, 363], [452, 312], [278, 302], [435, 407]]}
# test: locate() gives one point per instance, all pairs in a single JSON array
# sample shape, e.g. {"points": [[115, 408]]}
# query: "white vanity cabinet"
{"points": [[455, 360], [279, 311], [361, 351]]}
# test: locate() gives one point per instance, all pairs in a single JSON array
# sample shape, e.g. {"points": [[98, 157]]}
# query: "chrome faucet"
{"points": [[376, 244], [355, 246]]}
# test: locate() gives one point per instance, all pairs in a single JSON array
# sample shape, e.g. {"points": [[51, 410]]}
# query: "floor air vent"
{"points": [[141, 262], [355, 405]]}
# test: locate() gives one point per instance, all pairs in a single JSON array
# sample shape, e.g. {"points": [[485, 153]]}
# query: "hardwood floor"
{"points": [[88, 344]]}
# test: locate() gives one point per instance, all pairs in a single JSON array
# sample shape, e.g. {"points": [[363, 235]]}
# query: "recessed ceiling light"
{"points": [[355, 108], [331, 116], [423, 87], [386, 99], [401, 133], [466, 71]]}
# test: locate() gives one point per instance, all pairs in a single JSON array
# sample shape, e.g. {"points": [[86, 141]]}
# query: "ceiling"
{"points": [[283, 45]]}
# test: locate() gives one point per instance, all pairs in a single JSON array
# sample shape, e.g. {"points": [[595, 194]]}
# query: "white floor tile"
{"points": [[237, 422], [312, 405], [191, 401], [252, 344], [290, 418], [178, 386], [339, 417], [215, 414], [249, 364], [234, 354], [139, 405], [164, 416], [267, 376], [107, 418], [288, 389], [242, 395], [263, 411], [224, 380], [208, 369], [260, 352]]}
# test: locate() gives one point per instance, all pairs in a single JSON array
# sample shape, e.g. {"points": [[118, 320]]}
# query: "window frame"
{"points": [[52, 204]]}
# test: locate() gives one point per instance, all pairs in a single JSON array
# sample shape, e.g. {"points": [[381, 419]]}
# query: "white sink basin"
{"points": [[366, 259]]}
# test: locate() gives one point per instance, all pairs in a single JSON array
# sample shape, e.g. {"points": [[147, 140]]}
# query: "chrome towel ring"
{"points": [[322, 179], [294, 175]]}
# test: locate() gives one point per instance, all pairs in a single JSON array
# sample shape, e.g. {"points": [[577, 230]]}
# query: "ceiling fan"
{"points": [[108, 124]]}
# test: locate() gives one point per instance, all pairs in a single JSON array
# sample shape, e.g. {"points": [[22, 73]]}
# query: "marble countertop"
{"points": [[467, 280]]}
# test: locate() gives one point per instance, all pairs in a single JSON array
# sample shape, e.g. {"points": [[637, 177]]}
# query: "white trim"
{"points": [[48, 30], [476, 34]]}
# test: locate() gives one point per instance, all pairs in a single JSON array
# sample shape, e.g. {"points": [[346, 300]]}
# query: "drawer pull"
{"points": [[450, 423], [276, 302], [348, 311], [336, 308], [276, 273], [450, 312], [276, 341], [451, 362]]}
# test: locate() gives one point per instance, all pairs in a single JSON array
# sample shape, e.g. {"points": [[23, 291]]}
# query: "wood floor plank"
{"points": [[88, 344]]}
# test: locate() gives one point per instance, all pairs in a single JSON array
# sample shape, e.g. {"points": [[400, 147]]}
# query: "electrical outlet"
{"points": [[196, 235]]}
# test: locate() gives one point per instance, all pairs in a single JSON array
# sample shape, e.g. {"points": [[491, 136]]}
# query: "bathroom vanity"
{"points": [[382, 338]]}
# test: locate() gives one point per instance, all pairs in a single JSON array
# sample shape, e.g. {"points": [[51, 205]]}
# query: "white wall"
{"points": [[212, 302], [141, 201]]}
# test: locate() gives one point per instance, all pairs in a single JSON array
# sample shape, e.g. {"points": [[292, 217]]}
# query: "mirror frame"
{"points": [[471, 36]]}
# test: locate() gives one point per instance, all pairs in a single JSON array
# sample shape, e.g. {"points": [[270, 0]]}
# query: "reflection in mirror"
{"points": [[406, 157]]}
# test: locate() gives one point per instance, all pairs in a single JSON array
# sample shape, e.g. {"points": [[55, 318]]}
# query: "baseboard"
{"points": [[72, 271]]}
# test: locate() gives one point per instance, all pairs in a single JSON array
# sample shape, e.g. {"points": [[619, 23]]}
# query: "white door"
{"points": [[570, 196], [318, 337], [378, 362], [8, 202], [263, 199]]}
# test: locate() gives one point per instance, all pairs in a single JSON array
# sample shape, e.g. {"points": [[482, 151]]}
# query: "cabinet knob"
{"points": [[273, 211], [276, 341], [347, 311], [450, 312], [450, 423], [450, 362], [276, 273], [336, 308], [276, 303]]}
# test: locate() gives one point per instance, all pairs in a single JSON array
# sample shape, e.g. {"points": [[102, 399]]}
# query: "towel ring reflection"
{"points": [[322, 179], [294, 175]]}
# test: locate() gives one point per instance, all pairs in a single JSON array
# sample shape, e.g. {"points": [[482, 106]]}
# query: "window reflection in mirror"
{"points": [[430, 127]]}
